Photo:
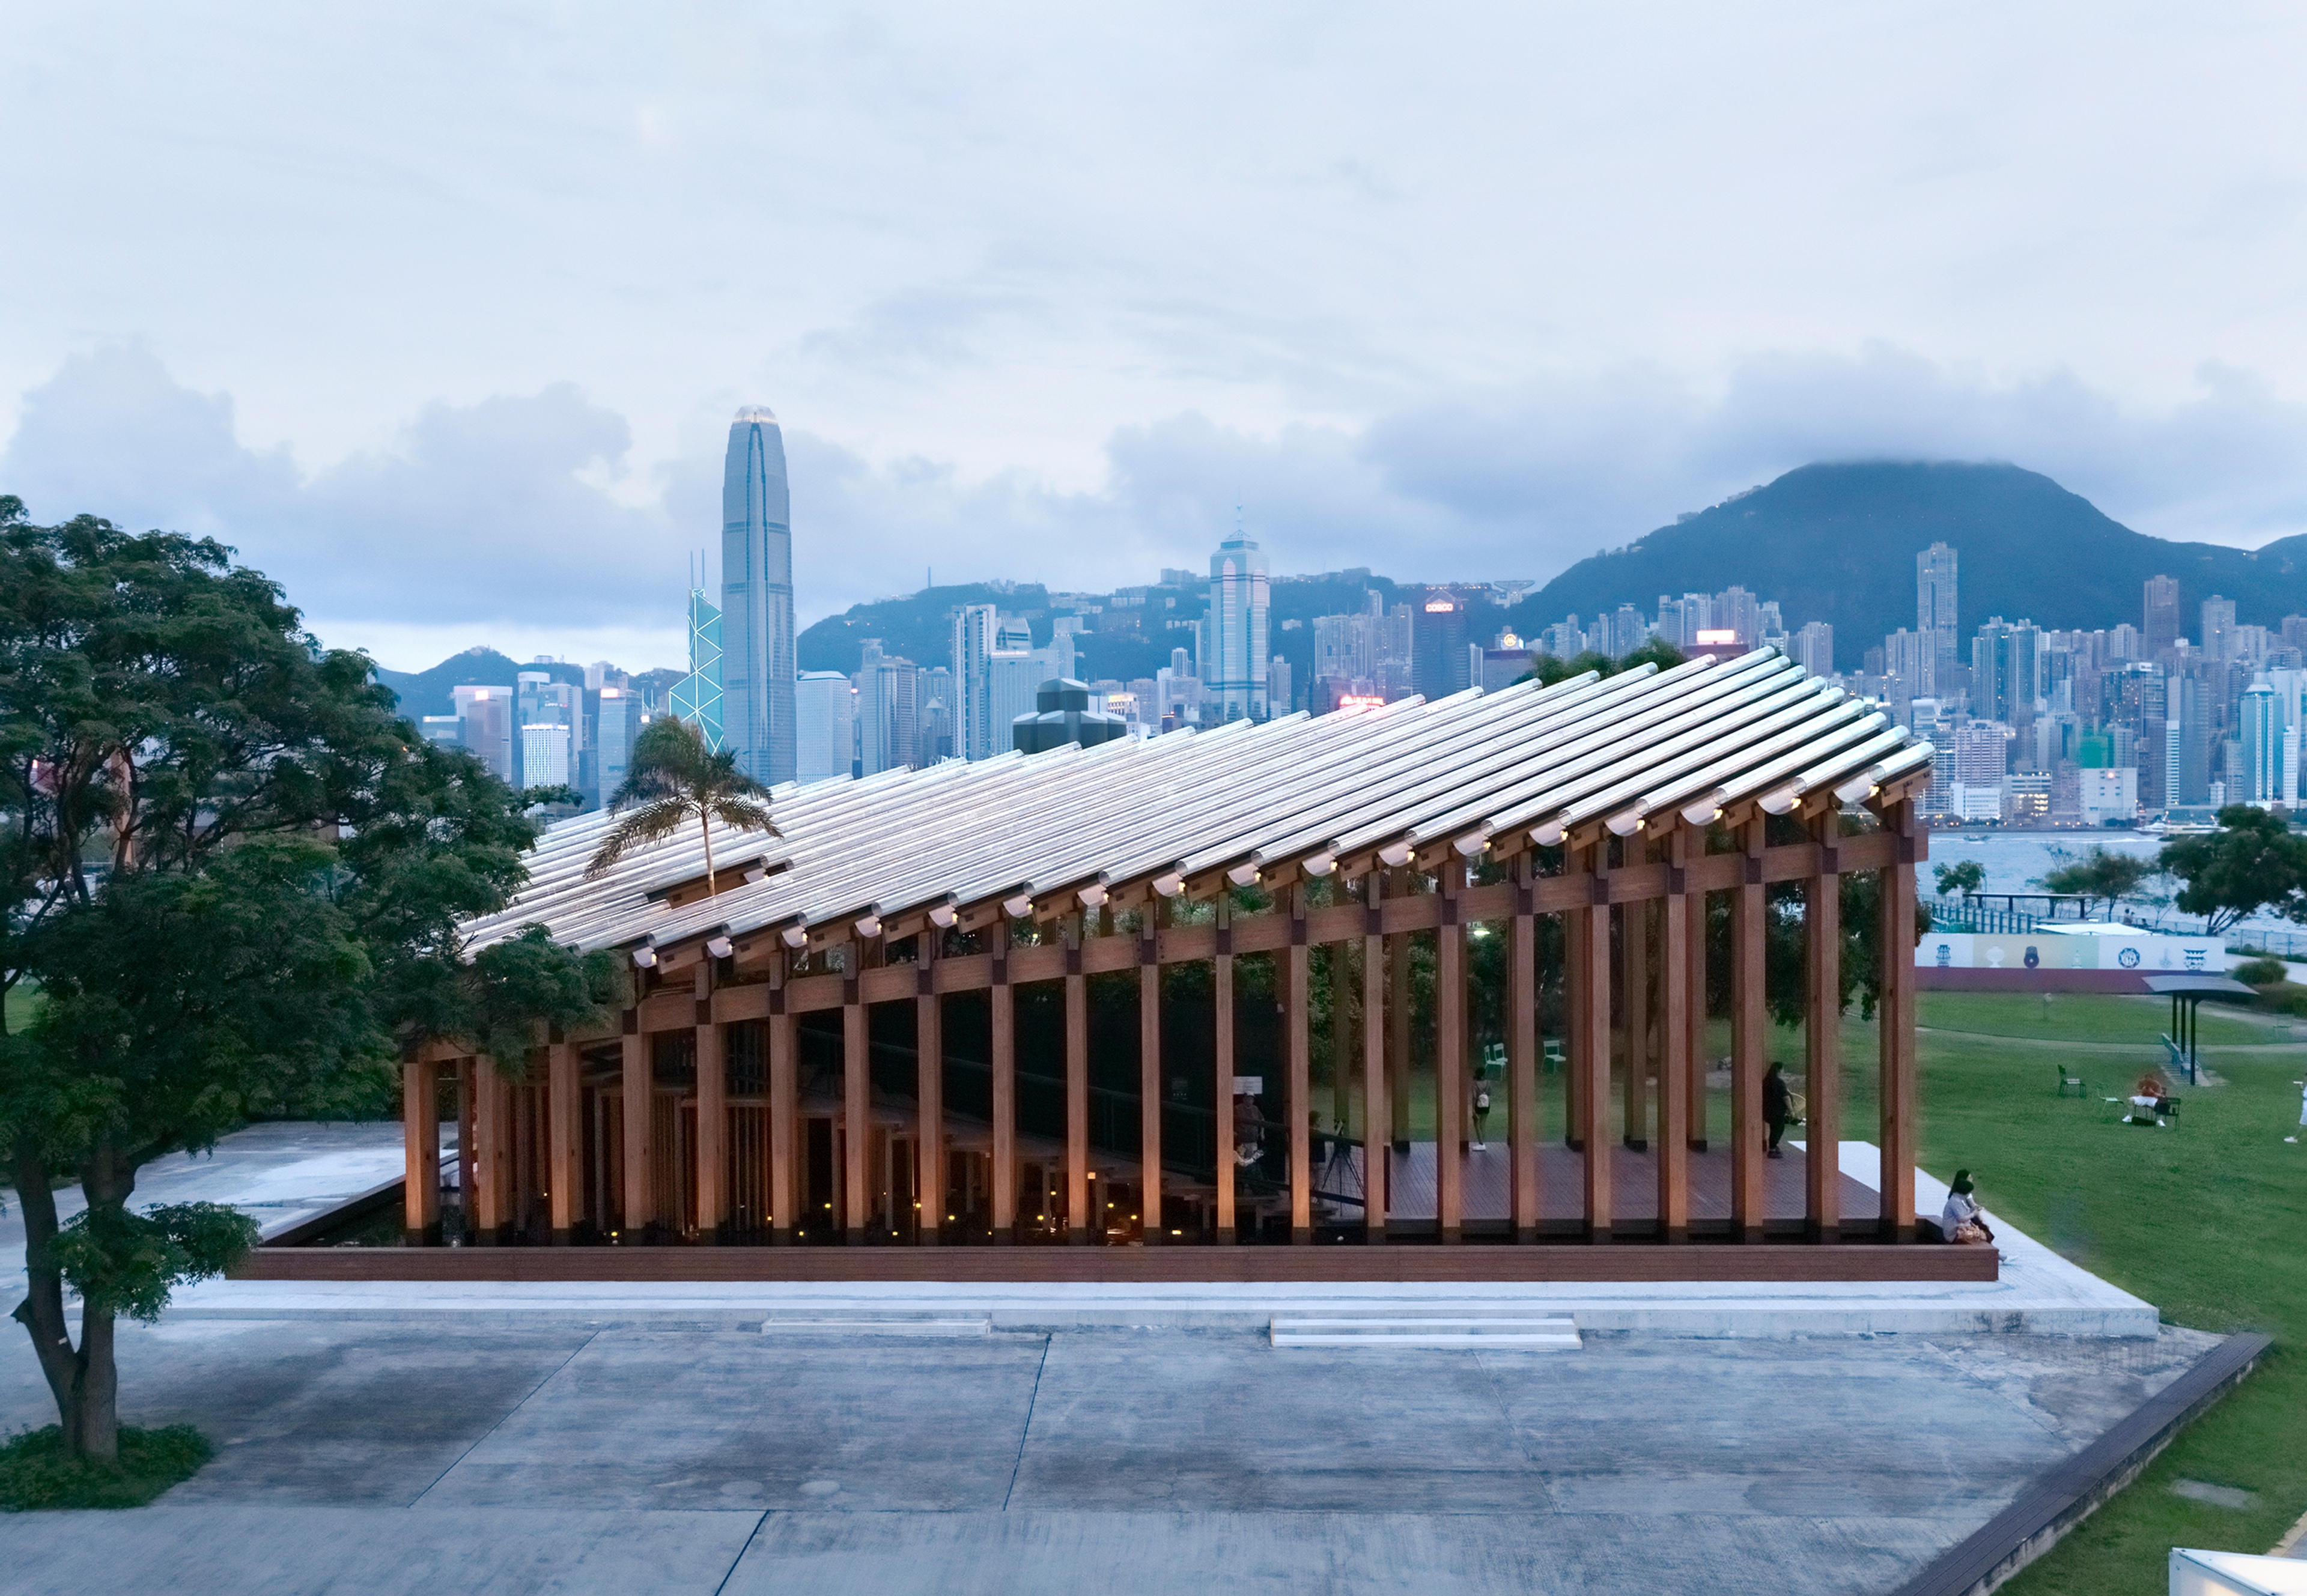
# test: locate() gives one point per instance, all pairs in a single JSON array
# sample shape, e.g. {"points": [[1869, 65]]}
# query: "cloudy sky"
{"points": [[439, 312]]}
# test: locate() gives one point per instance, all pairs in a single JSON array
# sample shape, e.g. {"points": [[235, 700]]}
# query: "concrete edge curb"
{"points": [[2072, 1492], [374, 1200]]}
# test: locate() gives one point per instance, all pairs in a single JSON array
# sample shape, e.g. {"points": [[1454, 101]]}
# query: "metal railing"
{"points": [[1968, 914]]}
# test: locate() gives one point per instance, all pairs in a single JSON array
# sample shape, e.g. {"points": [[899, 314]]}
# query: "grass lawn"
{"points": [[2204, 1222]]}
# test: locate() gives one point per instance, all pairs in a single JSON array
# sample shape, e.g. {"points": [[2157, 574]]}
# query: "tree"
{"points": [[674, 779], [2101, 873], [1965, 878], [1547, 670], [2250, 861], [237, 872]]}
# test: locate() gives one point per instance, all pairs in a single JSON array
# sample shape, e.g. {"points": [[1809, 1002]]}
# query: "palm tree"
{"points": [[674, 778]]}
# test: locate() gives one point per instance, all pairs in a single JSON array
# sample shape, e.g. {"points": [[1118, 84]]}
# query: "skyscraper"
{"points": [[757, 598], [700, 697], [1233, 664], [1439, 663], [2162, 629], [1934, 611], [975, 637], [2220, 627]]}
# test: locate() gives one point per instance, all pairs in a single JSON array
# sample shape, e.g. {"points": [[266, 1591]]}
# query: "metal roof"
{"points": [[1526, 766]]}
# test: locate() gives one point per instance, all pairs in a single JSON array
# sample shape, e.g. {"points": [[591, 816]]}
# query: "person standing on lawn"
{"points": [[1963, 1220], [1778, 1108]]}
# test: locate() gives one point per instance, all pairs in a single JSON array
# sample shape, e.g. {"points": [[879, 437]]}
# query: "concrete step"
{"points": [[1494, 1331], [976, 1325]]}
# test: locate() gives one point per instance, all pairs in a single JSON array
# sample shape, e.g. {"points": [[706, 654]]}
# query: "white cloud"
{"points": [[495, 522]]}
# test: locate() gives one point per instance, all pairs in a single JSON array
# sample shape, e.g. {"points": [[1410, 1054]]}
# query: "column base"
{"points": [[1696, 1144], [1597, 1235], [1151, 1238], [1676, 1235], [1401, 1146], [1748, 1235], [781, 1236], [1452, 1236], [854, 1236], [486, 1238], [1636, 1143], [421, 1236], [1374, 1235], [708, 1235], [1816, 1232], [562, 1238], [1301, 1235], [1576, 1143], [930, 1236], [1526, 1236], [1077, 1236], [1892, 1230], [1227, 1236], [1002, 1238]]}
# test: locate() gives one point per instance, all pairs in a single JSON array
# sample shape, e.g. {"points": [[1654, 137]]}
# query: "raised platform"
{"points": [[1399, 1264], [1650, 1288]]}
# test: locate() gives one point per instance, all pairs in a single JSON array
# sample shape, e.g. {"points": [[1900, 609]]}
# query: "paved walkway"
{"points": [[391, 1456], [281, 1174]]}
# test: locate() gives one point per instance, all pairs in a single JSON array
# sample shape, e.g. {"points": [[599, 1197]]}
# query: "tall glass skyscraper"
{"points": [[700, 697], [1234, 656], [756, 599], [1935, 613]]}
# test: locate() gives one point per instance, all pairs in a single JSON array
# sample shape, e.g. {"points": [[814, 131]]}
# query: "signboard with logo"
{"points": [[2148, 956]]}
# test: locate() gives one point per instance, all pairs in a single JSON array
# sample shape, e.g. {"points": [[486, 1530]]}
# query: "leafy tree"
{"points": [[1965, 878], [235, 872], [1547, 670], [674, 779], [2250, 861], [2101, 873]]}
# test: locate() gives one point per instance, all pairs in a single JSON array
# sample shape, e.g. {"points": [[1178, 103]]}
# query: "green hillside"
{"points": [[426, 692], [1836, 542]]}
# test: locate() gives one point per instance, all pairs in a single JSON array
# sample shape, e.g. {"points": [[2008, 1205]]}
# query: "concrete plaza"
{"points": [[544, 1453]]}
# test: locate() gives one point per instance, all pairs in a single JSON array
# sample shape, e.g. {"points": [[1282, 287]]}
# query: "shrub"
{"points": [[34, 1472], [2261, 971]]}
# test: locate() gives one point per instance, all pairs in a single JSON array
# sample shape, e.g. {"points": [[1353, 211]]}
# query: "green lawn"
{"points": [[2079, 1016], [2204, 1222]]}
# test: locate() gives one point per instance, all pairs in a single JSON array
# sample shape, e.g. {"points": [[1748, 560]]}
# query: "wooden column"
{"points": [[1150, 1093], [1450, 1058], [1675, 937], [1589, 1048], [1822, 1033], [1749, 1039], [1398, 1007], [1342, 1053], [1299, 1047], [1521, 1051], [1695, 1043], [712, 1114], [856, 1100], [420, 1134], [1377, 1097], [1577, 933], [637, 1087], [1634, 968], [564, 1163], [1077, 1192], [469, 1143], [491, 1188], [929, 1087], [784, 1111], [1004, 1172], [1895, 1013], [1222, 983]]}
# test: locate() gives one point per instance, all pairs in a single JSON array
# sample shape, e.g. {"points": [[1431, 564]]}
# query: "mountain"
{"points": [[426, 692], [1837, 543]]}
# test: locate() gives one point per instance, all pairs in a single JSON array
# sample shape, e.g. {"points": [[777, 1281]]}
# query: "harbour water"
{"points": [[2018, 861]]}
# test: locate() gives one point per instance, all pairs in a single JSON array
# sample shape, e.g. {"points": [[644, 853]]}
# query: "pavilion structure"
{"points": [[1081, 996]]}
